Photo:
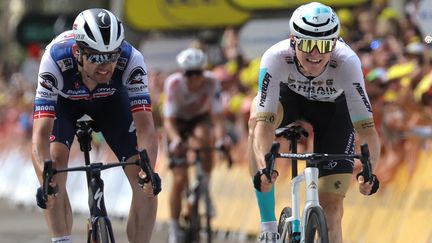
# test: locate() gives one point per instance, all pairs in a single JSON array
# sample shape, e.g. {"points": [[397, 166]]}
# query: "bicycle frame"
{"points": [[95, 183], [200, 189], [309, 176]]}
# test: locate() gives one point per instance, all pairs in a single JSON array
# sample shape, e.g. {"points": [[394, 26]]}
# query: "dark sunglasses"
{"points": [[102, 57], [191, 73], [307, 45]]}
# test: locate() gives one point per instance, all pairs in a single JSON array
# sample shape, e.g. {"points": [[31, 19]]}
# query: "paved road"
{"points": [[26, 225]]}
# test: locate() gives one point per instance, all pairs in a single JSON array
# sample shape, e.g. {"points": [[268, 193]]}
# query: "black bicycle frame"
{"points": [[95, 183]]}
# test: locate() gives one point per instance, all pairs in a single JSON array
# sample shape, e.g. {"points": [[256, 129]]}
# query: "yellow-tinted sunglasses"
{"points": [[307, 45]]}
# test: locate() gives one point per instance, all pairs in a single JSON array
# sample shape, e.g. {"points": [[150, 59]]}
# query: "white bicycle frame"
{"points": [[310, 176]]}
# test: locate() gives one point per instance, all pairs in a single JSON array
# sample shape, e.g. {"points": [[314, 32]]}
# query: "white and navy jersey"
{"points": [[59, 75], [343, 74], [182, 103]]}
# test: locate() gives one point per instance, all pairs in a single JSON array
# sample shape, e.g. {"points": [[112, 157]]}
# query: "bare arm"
{"points": [[262, 139], [368, 134], [146, 134], [171, 129], [42, 129], [219, 126]]}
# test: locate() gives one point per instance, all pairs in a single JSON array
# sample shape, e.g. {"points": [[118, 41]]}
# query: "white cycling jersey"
{"points": [[343, 74], [182, 103]]}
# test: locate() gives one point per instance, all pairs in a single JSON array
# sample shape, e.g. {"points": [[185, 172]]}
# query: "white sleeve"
{"points": [[136, 81], [272, 72], [50, 81], [169, 106], [352, 82]]}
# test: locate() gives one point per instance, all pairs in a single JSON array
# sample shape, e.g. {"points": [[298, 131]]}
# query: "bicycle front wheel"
{"points": [[316, 226], [102, 232]]}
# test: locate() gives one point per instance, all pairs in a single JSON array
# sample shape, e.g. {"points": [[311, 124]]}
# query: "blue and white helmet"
{"points": [[98, 29], [314, 21]]}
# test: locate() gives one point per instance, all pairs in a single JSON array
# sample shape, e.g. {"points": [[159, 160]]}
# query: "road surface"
{"points": [[27, 225]]}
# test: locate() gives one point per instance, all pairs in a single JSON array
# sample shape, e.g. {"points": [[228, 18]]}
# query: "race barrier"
{"points": [[400, 212]]}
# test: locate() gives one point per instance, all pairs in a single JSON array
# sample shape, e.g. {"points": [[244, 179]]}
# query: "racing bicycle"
{"points": [[199, 193], [310, 226], [99, 228]]}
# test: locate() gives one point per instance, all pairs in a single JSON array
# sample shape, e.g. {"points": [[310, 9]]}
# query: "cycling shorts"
{"points": [[112, 117], [332, 127], [186, 128]]}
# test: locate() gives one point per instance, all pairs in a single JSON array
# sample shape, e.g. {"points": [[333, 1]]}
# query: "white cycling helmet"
{"points": [[191, 59], [314, 20], [98, 29]]}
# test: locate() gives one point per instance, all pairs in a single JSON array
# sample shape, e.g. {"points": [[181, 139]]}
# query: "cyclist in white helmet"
{"points": [[92, 70], [192, 118], [315, 77]]}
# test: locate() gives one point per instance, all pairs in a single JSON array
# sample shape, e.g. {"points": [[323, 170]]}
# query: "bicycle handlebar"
{"points": [[143, 163], [364, 157]]}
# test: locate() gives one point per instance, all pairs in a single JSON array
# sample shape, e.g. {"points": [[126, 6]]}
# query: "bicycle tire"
{"points": [[194, 225], [285, 238], [316, 226], [102, 233], [208, 218]]}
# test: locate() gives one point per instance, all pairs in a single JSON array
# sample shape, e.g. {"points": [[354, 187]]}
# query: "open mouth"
{"points": [[314, 61], [102, 72]]}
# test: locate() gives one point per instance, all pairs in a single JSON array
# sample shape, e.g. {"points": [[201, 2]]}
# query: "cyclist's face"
{"points": [[311, 57], [99, 66], [195, 79]]}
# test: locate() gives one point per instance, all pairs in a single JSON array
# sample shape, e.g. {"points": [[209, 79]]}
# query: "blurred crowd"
{"points": [[396, 65]]}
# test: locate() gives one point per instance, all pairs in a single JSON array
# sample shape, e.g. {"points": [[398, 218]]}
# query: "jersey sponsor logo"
{"points": [[44, 108], [137, 76], [141, 103], [265, 117], [289, 60], [333, 64], [46, 95], [121, 63], [138, 89], [65, 64], [329, 82], [264, 81], [48, 81], [363, 96], [313, 90]]}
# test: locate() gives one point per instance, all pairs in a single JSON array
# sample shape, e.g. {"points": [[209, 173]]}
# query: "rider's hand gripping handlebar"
{"points": [[366, 164], [151, 176], [270, 159]]}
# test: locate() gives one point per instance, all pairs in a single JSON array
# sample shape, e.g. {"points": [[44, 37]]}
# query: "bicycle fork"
{"points": [[96, 204], [310, 177]]}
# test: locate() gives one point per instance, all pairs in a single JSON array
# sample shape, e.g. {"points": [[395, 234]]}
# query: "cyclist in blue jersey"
{"points": [[315, 77], [91, 70]]}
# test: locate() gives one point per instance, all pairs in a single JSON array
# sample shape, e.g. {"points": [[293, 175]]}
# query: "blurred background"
{"points": [[392, 38]]}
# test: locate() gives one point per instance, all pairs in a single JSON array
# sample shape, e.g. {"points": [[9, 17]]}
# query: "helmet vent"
{"points": [[315, 34], [105, 34], [88, 32], [316, 25]]}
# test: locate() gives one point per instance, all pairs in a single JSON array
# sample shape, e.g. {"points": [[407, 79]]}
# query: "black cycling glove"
{"points": [[257, 178], [41, 200], [156, 182], [375, 182]]}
